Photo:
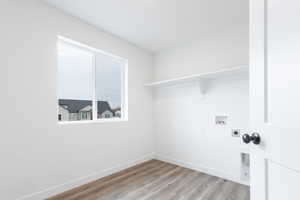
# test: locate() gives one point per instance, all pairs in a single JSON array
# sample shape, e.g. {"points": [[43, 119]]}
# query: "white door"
{"points": [[275, 99]]}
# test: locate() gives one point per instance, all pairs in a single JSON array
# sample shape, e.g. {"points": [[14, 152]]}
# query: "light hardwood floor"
{"points": [[157, 180]]}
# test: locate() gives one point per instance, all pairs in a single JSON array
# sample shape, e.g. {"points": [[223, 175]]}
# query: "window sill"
{"points": [[92, 121]]}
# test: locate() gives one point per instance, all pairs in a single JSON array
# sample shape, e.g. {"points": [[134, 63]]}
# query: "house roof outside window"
{"points": [[74, 106]]}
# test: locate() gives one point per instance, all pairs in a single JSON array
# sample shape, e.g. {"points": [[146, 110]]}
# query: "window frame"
{"points": [[124, 83]]}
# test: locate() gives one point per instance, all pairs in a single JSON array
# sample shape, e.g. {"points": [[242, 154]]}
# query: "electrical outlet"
{"points": [[235, 133]]}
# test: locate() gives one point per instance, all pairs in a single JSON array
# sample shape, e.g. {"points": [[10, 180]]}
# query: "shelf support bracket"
{"points": [[202, 86]]}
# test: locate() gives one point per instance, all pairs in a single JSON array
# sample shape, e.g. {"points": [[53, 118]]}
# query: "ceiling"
{"points": [[158, 24]]}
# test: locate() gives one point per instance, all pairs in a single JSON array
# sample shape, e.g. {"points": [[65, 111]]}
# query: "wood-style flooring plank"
{"points": [[157, 180]]}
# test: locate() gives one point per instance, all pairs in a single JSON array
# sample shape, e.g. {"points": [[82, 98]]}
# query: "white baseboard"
{"points": [[83, 180], [203, 169]]}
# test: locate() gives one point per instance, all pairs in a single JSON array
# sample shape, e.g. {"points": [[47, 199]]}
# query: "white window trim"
{"points": [[124, 84], [104, 120]]}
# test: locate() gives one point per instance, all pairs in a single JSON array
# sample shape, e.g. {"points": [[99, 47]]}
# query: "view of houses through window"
{"points": [[90, 84]]}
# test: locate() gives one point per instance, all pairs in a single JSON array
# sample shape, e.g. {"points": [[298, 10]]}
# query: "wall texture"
{"points": [[37, 153], [210, 53], [185, 128], [184, 120]]}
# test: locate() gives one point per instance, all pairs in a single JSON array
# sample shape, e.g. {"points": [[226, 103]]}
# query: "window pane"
{"points": [[108, 87], [75, 83]]}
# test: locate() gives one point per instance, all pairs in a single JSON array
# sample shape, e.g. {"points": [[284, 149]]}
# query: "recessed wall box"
{"points": [[245, 167], [221, 120]]}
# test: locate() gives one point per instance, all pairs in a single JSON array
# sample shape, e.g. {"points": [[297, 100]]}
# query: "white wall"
{"points": [[210, 53], [184, 121], [185, 125], [36, 153]]}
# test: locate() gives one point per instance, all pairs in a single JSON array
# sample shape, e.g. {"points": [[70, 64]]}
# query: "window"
{"points": [[91, 84], [84, 115]]}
